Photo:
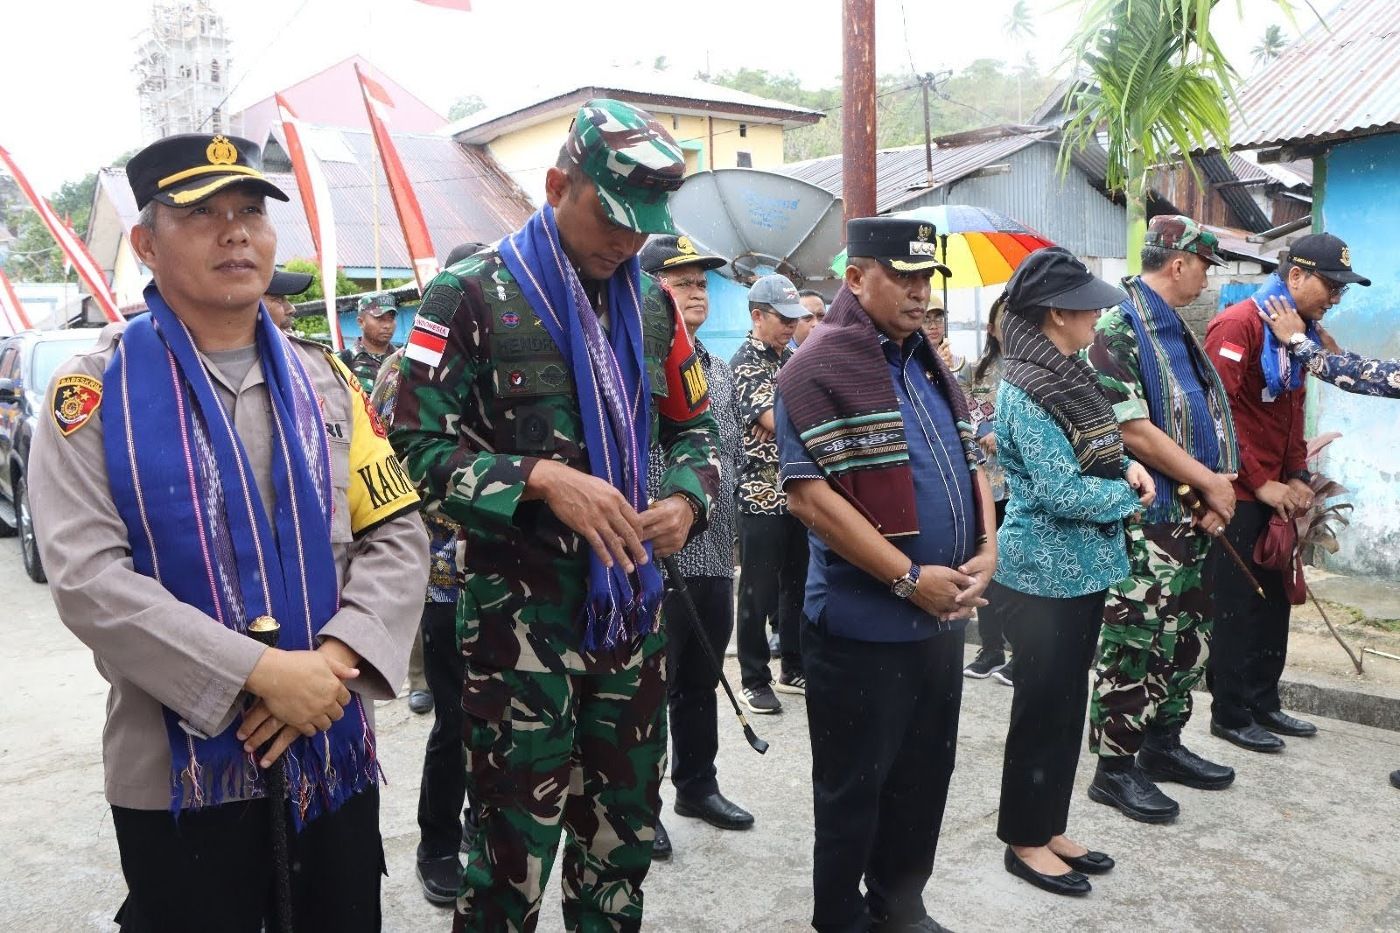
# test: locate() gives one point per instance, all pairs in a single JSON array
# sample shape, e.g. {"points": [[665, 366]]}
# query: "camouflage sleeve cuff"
{"points": [[488, 489], [1131, 410]]}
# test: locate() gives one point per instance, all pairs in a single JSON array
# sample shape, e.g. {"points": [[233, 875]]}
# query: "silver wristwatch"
{"points": [[1296, 340], [904, 586]]}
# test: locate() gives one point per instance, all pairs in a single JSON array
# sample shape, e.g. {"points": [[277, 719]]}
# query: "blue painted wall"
{"points": [[1361, 204]]}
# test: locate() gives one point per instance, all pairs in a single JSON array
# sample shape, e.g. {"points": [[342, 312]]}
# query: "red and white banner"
{"points": [[464, 5], [316, 201], [73, 248], [12, 316], [415, 230]]}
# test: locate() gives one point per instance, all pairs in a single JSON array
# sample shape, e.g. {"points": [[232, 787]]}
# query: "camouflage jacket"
{"points": [[1349, 371], [756, 368], [471, 428], [364, 364]]}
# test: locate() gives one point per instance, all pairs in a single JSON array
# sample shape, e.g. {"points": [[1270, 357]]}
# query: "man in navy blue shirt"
{"points": [[873, 462]]}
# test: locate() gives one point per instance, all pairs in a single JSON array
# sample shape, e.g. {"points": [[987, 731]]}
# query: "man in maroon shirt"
{"points": [[1266, 391]]}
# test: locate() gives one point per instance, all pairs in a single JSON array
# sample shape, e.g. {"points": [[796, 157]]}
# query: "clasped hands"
{"points": [[297, 693], [955, 593]]}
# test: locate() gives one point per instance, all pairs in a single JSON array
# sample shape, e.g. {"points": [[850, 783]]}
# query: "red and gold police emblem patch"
{"points": [[75, 398]]}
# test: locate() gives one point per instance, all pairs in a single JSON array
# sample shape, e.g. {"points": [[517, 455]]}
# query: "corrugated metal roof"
{"points": [[901, 174], [1338, 80]]}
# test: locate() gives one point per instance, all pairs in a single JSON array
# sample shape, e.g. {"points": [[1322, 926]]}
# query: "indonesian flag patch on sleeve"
{"points": [[426, 342], [1231, 351]]}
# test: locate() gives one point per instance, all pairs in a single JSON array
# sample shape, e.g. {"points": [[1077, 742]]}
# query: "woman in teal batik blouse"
{"points": [[1059, 549]]}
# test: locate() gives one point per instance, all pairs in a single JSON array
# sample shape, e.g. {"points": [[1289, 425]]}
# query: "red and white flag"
{"points": [[73, 247], [1231, 351], [464, 5], [12, 316], [415, 230], [426, 342], [316, 201]]}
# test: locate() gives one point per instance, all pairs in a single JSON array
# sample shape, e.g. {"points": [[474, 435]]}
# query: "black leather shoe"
{"points": [[440, 878], [1395, 779], [1090, 863], [1163, 758], [661, 845], [715, 810], [420, 701], [1071, 883], [1131, 792], [924, 925], [1252, 737], [1284, 724]]}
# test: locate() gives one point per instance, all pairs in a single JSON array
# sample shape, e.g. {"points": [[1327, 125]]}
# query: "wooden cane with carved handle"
{"points": [[1198, 509]]}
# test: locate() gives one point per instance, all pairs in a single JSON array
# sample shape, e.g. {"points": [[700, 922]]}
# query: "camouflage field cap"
{"points": [[377, 305], [1173, 231], [632, 160]]}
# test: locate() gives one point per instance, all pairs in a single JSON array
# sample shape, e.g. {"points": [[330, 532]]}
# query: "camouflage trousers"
{"points": [[552, 753], [1154, 642]]}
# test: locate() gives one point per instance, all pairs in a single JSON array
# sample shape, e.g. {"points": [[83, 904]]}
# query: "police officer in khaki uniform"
{"points": [[196, 472]]}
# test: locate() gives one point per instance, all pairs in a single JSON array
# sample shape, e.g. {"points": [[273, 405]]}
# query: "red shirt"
{"points": [[1270, 433]]}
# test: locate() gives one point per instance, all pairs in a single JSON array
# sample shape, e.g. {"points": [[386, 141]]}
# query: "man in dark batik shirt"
{"points": [[772, 544]]}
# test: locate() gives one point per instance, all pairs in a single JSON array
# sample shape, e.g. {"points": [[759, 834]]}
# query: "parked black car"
{"points": [[27, 364]]}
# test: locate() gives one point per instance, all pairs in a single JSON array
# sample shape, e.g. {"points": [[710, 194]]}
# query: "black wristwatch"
{"points": [[904, 586]]}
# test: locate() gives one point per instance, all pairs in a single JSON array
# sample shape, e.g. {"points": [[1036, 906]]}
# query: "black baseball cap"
{"points": [[288, 283], [1053, 277], [1326, 255], [670, 252], [899, 243], [183, 170]]}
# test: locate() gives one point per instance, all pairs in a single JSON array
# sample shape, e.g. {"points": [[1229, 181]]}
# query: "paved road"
{"points": [[1306, 840]]}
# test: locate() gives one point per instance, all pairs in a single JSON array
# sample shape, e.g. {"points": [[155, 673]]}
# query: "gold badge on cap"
{"points": [[684, 245], [925, 231], [1346, 257], [221, 151]]}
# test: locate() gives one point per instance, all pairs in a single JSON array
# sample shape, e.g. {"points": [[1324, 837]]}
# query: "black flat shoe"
{"points": [[1395, 779], [715, 810], [661, 845], [1252, 737], [1090, 863], [440, 878], [1072, 883], [1284, 724]]}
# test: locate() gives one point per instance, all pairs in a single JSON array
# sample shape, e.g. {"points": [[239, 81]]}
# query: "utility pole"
{"points": [[858, 108], [924, 82]]}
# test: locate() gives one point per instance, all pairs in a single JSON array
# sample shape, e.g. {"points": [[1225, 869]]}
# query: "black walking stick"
{"points": [[265, 629], [678, 582]]}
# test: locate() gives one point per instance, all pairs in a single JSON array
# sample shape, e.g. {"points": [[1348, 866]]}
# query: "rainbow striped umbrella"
{"points": [[980, 246]]}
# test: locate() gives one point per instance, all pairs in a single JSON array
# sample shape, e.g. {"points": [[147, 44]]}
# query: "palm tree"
{"points": [[1018, 22], [1154, 88], [1270, 47], [1018, 29]]}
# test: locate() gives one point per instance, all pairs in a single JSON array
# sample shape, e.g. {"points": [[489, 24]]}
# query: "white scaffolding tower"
{"points": [[183, 68]]}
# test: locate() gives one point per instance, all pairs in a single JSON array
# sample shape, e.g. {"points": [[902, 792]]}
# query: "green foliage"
{"points": [[465, 107], [985, 92], [1271, 45], [343, 285], [1155, 85]]}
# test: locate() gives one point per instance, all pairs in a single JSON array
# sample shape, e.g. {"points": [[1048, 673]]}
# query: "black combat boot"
{"points": [[1163, 758], [1120, 783]]}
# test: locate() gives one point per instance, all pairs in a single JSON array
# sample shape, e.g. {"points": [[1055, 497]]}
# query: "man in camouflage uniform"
{"points": [[489, 423], [376, 317], [1176, 421]]}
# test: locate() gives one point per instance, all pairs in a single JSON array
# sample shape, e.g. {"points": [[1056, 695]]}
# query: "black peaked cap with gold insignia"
{"points": [[183, 170], [901, 244], [668, 251]]}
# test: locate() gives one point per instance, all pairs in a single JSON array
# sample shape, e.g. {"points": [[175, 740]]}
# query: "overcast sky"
{"points": [[69, 100]]}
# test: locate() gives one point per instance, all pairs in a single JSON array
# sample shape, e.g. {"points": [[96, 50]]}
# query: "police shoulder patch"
{"points": [[75, 399]]}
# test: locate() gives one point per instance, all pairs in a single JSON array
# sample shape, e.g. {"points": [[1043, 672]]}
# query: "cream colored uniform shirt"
{"points": [[157, 651]]}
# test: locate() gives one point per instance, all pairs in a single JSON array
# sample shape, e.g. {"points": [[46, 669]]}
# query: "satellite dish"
{"points": [[762, 222]]}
